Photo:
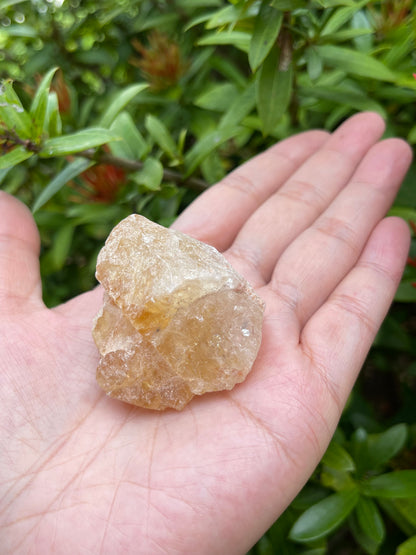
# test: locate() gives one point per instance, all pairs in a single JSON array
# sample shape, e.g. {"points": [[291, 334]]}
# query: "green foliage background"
{"points": [[154, 101]]}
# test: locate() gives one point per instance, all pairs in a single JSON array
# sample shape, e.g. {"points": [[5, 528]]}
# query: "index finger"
{"points": [[218, 214]]}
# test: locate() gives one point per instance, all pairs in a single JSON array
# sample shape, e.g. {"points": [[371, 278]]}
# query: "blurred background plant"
{"points": [[137, 106]]}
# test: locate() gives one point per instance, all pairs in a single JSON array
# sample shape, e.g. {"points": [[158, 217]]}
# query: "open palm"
{"points": [[83, 473]]}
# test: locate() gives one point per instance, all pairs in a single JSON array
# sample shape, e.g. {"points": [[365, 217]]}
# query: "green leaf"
{"points": [[160, 134], [132, 144], [384, 446], [76, 142], [39, 106], [355, 62], [348, 34], [266, 30], [212, 168], [12, 114], [69, 172], [230, 15], [408, 547], [287, 5], [14, 157], [19, 30], [337, 480], [361, 537], [406, 292], [370, 520], [218, 97], [240, 108], [321, 519], [364, 41], [411, 137], [373, 451], [401, 483], [205, 145], [3, 173], [150, 175], [239, 39], [7, 3], [313, 63], [393, 510], [336, 457], [152, 22], [273, 90], [53, 118], [121, 99], [333, 3], [308, 496], [61, 245], [343, 96], [90, 213], [341, 16]]}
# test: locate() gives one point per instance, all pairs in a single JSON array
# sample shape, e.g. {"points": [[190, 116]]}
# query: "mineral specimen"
{"points": [[177, 320]]}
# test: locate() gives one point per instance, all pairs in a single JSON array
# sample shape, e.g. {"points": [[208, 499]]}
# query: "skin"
{"points": [[82, 473]]}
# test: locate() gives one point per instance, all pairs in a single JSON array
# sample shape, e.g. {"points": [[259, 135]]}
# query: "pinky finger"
{"points": [[339, 335]]}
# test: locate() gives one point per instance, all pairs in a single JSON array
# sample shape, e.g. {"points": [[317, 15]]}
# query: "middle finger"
{"points": [[306, 194]]}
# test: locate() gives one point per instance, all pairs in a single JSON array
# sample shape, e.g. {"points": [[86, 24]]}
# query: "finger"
{"points": [[340, 333], [218, 214], [304, 196], [19, 254], [320, 258]]}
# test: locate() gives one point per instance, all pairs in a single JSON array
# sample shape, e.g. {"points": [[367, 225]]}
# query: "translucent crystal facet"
{"points": [[177, 320]]}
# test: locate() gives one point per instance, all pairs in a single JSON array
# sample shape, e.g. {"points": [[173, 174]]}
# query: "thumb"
{"points": [[19, 255]]}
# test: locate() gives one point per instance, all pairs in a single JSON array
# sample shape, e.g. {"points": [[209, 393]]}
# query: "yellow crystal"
{"points": [[177, 319]]}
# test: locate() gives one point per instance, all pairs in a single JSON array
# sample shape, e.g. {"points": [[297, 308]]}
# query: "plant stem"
{"points": [[133, 165]]}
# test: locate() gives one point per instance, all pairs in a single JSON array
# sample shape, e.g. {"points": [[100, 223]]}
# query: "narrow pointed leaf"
{"points": [[313, 63], [356, 100], [12, 114], [161, 136], [384, 446], [53, 120], [39, 105], [231, 15], [336, 457], [205, 145], [132, 144], [77, 142], [239, 39], [61, 245], [325, 516], [7, 3], [361, 537], [355, 62], [401, 483], [69, 172], [340, 16], [288, 4], [370, 520], [240, 108], [14, 157], [119, 103], [266, 30], [150, 175], [217, 98], [273, 90]]}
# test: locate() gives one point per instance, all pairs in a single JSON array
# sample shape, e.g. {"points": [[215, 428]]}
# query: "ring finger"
{"points": [[322, 255]]}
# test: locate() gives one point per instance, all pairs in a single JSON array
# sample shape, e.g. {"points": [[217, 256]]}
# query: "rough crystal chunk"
{"points": [[177, 320]]}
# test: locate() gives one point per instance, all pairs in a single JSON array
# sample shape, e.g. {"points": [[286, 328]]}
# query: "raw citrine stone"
{"points": [[177, 319]]}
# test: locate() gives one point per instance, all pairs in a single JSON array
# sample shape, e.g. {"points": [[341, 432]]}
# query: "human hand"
{"points": [[80, 472]]}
